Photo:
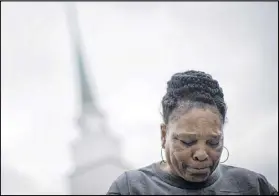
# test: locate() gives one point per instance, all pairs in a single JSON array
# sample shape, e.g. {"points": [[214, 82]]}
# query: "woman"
{"points": [[194, 113]]}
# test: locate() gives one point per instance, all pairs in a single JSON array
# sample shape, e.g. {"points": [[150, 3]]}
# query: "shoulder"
{"points": [[238, 171], [265, 186], [141, 173], [248, 179], [119, 186], [131, 178]]}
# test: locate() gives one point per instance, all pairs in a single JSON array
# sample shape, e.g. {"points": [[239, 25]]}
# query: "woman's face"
{"points": [[193, 144]]}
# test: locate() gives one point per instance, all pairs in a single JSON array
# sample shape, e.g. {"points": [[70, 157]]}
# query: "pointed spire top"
{"points": [[88, 101]]}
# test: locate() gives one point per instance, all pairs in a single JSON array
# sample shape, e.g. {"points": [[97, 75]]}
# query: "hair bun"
{"points": [[196, 86], [195, 81]]}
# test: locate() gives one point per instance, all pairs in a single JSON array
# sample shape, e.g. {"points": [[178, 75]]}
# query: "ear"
{"points": [[163, 134]]}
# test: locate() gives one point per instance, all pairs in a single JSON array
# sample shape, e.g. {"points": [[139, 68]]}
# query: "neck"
{"points": [[167, 168], [166, 174]]}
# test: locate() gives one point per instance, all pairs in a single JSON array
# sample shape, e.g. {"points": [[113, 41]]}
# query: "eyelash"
{"points": [[188, 143], [211, 143]]}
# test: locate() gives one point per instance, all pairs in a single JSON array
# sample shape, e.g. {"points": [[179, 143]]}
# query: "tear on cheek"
{"points": [[184, 166]]}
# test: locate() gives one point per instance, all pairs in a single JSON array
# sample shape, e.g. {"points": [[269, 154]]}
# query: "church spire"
{"points": [[88, 102], [91, 119]]}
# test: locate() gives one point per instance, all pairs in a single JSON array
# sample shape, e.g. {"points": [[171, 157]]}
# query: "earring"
{"points": [[163, 161], [228, 155]]}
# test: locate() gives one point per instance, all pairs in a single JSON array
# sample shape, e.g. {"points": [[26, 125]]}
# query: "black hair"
{"points": [[193, 89]]}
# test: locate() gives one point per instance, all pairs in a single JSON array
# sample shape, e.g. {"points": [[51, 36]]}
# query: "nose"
{"points": [[200, 155]]}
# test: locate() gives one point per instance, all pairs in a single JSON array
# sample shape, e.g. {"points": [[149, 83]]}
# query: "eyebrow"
{"points": [[194, 135]]}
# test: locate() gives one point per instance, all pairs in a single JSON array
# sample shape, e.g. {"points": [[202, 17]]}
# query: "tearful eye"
{"points": [[188, 143], [213, 142], [185, 142]]}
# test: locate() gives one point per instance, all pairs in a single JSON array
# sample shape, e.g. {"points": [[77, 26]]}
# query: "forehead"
{"points": [[198, 122]]}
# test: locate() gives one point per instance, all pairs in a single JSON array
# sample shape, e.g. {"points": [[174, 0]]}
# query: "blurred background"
{"points": [[65, 121]]}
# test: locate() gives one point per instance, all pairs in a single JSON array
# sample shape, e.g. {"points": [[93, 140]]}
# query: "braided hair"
{"points": [[192, 89]]}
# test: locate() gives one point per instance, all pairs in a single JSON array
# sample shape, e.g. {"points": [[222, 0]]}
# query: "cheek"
{"points": [[215, 154], [179, 152], [176, 156]]}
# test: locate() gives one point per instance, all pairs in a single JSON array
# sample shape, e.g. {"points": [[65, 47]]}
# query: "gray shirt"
{"points": [[225, 180]]}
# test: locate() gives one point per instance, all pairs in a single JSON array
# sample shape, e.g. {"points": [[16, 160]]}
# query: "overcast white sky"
{"points": [[132, 49]]}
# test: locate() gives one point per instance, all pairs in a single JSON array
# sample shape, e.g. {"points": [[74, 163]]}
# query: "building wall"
{"points": [[94, 147], [95, 181]]}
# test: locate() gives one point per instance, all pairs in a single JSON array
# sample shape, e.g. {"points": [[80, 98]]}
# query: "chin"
{"points": [[198, 179], [193, 178]]}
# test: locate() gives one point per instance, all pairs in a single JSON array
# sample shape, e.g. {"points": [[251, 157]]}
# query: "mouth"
{"points": [[196, 170]]}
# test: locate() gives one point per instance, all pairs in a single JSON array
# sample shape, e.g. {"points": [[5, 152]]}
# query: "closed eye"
{"points": [[188, 143], [213, 142]]}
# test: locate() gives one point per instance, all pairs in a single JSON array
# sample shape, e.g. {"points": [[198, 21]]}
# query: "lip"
{"points": [[198, 170]]}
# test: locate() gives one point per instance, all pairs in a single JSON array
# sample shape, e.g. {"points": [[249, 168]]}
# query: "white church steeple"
{"points": [[91, 115], [96, 154]]}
